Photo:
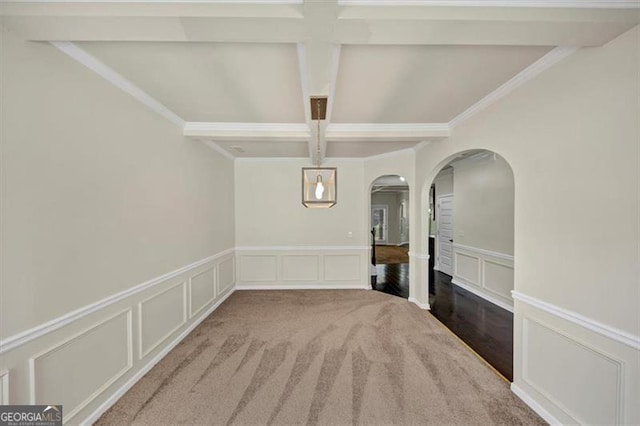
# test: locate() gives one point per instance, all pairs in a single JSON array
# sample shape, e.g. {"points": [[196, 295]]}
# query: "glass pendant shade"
{"points": [[319, 187]]}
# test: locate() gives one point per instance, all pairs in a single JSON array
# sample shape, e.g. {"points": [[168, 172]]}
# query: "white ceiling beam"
{"points": [[291, 132], [320, 24], [386, 132]]}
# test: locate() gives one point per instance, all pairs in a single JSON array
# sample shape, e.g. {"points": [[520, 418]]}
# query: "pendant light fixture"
{"points": [[319, 184]]}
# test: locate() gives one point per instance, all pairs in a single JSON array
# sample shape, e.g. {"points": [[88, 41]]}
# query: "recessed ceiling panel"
{"points": [[266, 149], [364, 149], [213, 82], [421, 84]]}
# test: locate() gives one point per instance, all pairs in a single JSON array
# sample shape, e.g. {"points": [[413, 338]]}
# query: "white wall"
{"points": [[483, 204], [115, 231], [571, 137], [281, 243]]}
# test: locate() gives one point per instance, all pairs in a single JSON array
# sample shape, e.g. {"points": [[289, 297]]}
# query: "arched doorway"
{"points": [[389, 219], [470, 228]]}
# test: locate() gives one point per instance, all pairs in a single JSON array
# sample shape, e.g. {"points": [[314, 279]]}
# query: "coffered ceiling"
{"points": [[237, 75]]}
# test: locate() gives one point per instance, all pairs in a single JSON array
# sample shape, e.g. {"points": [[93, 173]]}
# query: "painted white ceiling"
{"points": [[421, 84], [212, 82], [397, 73]]}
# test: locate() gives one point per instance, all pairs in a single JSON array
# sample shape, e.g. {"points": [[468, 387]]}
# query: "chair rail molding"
{"points": [[593, 325], [26, 336]]}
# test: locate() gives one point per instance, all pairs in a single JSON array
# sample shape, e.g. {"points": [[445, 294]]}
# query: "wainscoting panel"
{"points": [[540, 367], [572, 369], [485, 273], [226, 275], [302, 267], [341, 268], [57, 375], [85, 359], [202, 288], [160, 316], [467, 267], [258, 268], [497, 278]]}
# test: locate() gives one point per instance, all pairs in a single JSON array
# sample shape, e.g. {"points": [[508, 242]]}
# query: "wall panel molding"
{"points": [[26, 336], [485, 273], [161, 313], [606, 378], [93, 347], [595, 326], [304, 267], [202, 304], [117, 394], [37, 373]]}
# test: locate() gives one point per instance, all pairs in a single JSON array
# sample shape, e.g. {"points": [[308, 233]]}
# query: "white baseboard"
{"points": [[424, 306], [485, 296], [534, 405], [93, 417], [298, 286]]}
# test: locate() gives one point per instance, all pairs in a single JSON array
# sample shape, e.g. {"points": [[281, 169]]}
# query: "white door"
{"points": [[445, 234], [379, 222]]}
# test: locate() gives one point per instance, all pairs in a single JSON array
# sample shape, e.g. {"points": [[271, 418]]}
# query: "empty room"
{"points": [[334, 212]]}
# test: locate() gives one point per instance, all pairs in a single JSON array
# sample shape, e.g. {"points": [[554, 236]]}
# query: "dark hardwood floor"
{"points": [[393, 279], [483, 326]]}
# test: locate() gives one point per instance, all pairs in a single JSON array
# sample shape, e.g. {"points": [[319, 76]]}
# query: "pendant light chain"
{"points": [[318, 135]]}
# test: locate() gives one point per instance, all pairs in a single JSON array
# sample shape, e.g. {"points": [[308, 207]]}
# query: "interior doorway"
{"points": [[470, 230], [390, 235]]}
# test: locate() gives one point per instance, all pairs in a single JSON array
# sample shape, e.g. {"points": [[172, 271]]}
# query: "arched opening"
{"points": [[470, 228], [389, 235]]}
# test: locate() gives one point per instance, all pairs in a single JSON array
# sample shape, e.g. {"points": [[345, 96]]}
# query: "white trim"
{"points": [[40, 330], [248, 131], [484, 252], [32, 362], [532, 71], [335, 66], [598, 327], [217, 148], [424, 306], [579, 4], [336, 132], [116, 79], [302, 286], [423, 256], [534, 405], [483, 295], [297, 248], [93, 417]]}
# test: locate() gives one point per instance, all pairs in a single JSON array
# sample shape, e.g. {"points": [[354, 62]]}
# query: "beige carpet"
{"points": [[320, 357], [388, 255]]}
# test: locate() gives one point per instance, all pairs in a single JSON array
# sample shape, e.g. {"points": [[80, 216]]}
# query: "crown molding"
{"points": [[116, 79], [532, 71], [577, 4], [248, 131], [384, 132]]}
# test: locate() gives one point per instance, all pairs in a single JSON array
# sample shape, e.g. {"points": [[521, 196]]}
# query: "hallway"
{"points": [[483, 326]]}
